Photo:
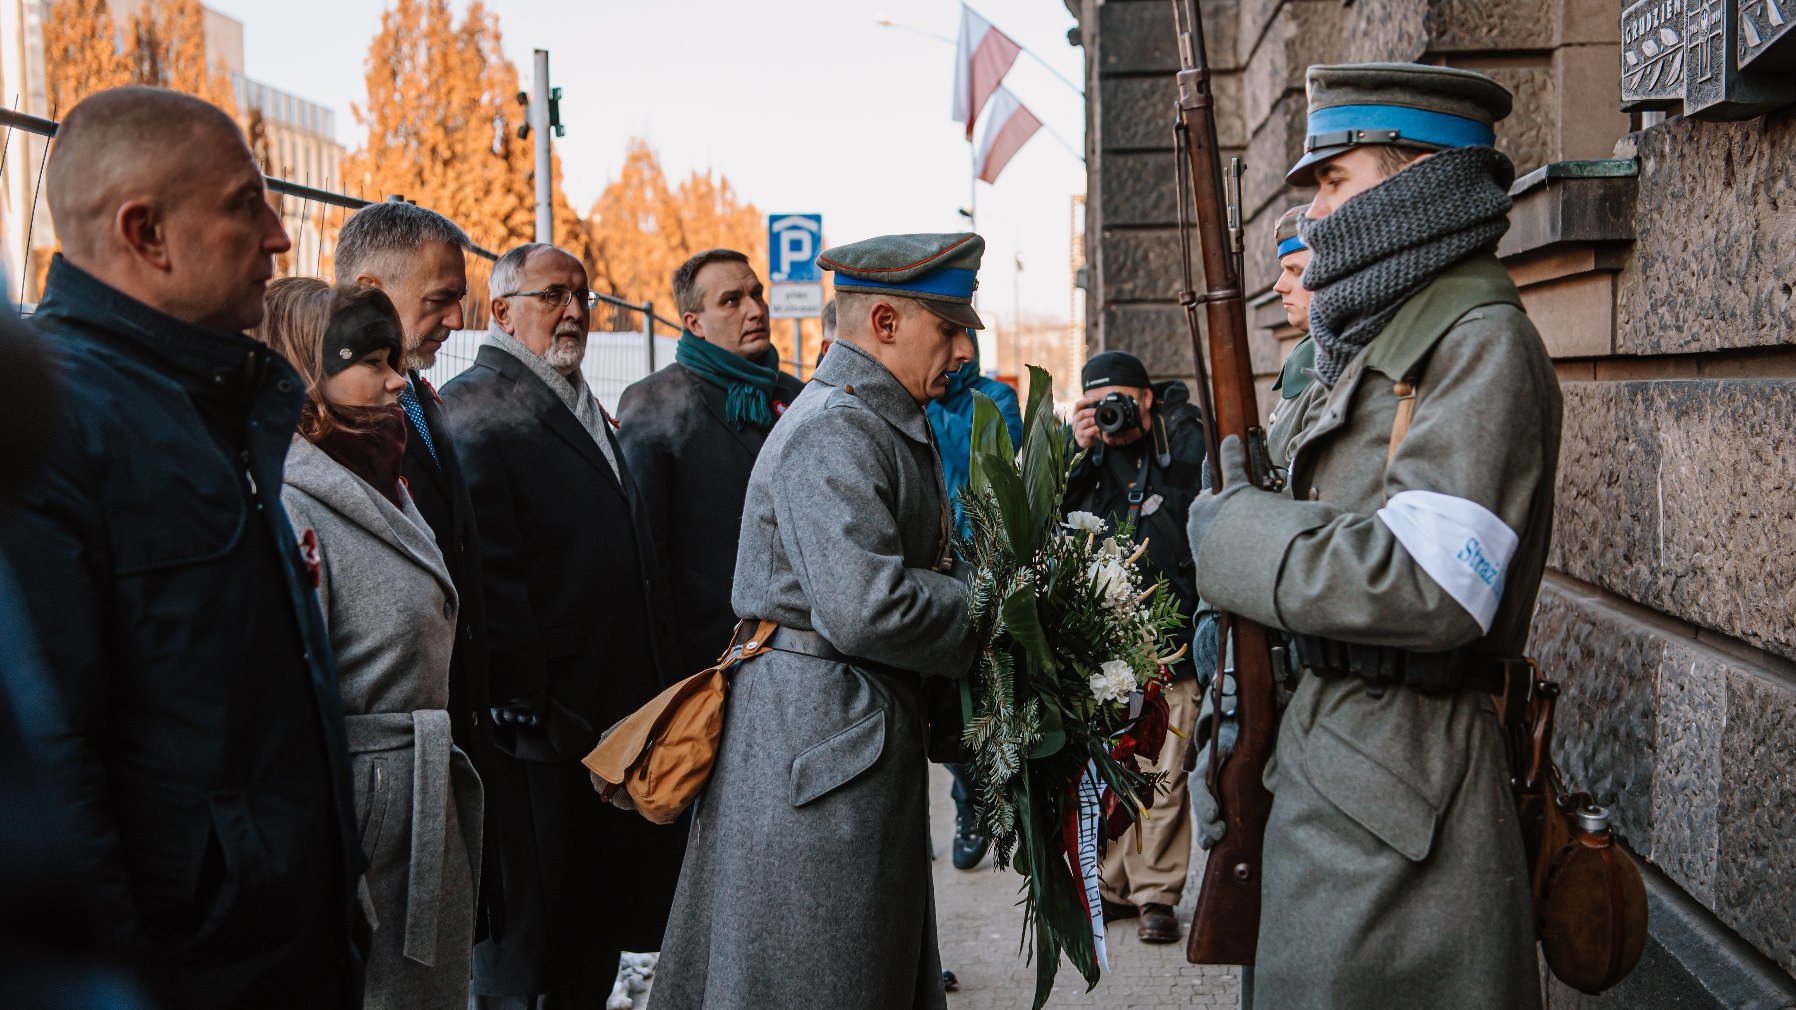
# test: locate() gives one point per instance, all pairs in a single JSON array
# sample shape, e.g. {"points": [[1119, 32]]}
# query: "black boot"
{"points": [[970, 844]]}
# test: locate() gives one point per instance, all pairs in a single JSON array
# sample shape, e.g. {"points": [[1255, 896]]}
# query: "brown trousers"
{"points": [[1148, 863]]}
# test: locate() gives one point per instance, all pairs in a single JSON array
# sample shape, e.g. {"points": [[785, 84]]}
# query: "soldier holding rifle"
{"points": [[1408, 548]]}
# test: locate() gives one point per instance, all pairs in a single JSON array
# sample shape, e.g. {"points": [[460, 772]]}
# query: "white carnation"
{"points": [[1111, 577], [1113, 682], [1084, 522]]}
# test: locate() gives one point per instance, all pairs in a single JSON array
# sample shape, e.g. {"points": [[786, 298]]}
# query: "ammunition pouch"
{"points": [[1381, 666]]}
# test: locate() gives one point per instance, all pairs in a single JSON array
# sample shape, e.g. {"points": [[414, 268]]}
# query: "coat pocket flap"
{"points": [[839, 759], [1373, 796]]}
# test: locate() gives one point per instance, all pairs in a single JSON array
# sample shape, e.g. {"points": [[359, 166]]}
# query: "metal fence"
{"points": [[623, 347]]}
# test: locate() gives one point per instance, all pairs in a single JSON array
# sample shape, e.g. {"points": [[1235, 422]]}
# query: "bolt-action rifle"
{"points": [[1226, 924]]}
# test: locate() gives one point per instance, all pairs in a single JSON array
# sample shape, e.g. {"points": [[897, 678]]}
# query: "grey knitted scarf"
{"points": [[1384, 245]]}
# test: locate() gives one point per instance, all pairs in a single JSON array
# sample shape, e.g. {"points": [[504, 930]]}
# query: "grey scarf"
{"points": [[571, 389], [1384, 245]]}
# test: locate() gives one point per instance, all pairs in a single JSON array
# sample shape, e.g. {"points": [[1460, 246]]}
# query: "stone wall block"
{"points": [[1679, 495], [1530, 135], [1604, 727], [1383, 30], [1137, 189], [1138, 112], [1137, 37], [1279, 64], [1687, 778], [1713, 265], [1271, 152], [1484, 26], [1144, 265], [1154, 333], [1756, 868]]}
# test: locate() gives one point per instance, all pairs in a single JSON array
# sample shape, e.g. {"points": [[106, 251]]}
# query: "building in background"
{"points": [[295, 139], [1653, 253]]}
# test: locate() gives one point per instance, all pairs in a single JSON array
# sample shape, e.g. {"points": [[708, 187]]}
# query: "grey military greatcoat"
{"points": [[807, 881], [1393, 866]]}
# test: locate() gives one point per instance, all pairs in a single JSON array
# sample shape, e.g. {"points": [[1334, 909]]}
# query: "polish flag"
{"points": [[1008, 126], [986, 55]]}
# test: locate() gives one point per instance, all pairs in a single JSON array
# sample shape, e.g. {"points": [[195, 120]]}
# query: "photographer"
{"points": [[1144, 445]]}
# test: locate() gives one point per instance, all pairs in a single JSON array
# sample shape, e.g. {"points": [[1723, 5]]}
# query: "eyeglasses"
{"points": [[559, 297]]}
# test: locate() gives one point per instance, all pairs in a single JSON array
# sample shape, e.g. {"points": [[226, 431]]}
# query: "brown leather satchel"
{"points": [[657, 759], [1590, 910]]}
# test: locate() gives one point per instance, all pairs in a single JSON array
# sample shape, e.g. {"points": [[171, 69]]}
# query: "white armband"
{"points": [[1463, 546]]}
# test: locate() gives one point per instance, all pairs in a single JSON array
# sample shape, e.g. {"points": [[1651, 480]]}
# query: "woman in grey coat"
{"points": [[390, 608]]}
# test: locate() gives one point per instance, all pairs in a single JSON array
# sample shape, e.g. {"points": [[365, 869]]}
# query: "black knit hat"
{"points": [[1114, 368], [356, 329]]}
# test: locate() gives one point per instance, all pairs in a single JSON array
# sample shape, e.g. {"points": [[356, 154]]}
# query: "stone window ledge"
{"points": [[1569, 232]]}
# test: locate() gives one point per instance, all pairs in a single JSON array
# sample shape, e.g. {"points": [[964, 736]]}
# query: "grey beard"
{"points": [[1381, 247], [563, 355]]}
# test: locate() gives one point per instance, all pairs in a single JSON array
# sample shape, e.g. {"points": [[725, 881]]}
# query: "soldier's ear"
{"points": [[885, 320]]}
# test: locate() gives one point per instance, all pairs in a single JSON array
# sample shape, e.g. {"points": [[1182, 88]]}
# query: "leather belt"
{"points": [[809, 643], [1380, 666]]}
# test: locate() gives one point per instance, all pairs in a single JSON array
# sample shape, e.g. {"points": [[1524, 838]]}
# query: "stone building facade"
{"points": [[1655, 252]]}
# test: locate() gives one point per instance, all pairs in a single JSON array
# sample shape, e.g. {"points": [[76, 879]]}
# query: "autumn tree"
{"points": [[643, 228], [168, 49], [441, 117], [81, 53]]}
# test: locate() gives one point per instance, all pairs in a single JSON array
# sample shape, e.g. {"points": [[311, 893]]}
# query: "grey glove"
{"points": [[1233, 460], [1212, 731]]}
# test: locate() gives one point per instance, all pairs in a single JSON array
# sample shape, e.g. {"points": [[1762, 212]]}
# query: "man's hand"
{"points": [[1206, 506], [1085, 423], [524, 713], [1087, 433]]}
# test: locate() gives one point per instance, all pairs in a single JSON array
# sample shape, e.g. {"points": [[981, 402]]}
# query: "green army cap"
{"points": [[939, 271], [1284, 234], [1406, 104]]}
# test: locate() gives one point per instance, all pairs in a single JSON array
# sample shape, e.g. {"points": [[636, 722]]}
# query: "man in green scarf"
{"points": [[690, 434]]}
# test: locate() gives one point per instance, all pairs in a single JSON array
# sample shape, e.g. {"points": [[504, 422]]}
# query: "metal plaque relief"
{"points": [[1652, 55], [1695, 53], [1766, 41]]}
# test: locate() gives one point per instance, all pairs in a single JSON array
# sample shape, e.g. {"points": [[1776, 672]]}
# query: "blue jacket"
{"points": [[952, 418], [199, 740]]}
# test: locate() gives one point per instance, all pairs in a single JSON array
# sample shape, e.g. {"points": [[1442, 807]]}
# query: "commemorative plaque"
{"points": [[1652, 55], [1715, 87], [1766, 42], [1714, 59]]}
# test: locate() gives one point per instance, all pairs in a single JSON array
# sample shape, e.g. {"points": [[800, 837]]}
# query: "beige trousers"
{"points": [[1148, 863]]}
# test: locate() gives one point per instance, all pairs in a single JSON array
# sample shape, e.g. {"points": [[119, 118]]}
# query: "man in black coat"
{"points": [[1144, 444], [418, 258], [578, 640], [691, 432], [196, 734]]}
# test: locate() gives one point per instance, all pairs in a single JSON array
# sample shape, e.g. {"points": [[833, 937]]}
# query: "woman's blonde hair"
{"points": [[298, 312]]}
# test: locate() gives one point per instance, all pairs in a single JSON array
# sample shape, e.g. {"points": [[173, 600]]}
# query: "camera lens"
{"points": [[1109, 417]]}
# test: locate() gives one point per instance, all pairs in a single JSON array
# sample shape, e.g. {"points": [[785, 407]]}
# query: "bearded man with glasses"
{"points": [[578, 637]]}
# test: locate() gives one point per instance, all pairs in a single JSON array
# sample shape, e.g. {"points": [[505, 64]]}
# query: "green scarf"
{"points": [[748, 384]]}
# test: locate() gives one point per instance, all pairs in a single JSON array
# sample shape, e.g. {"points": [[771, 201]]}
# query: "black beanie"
{"points": [[1114, 368], [355, 330]]}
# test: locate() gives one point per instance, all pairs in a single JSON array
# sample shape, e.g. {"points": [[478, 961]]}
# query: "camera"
{"points": [[1117, 413]]}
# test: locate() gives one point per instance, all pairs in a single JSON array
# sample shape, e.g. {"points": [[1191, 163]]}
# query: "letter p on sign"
{"points": [[793, 242]]}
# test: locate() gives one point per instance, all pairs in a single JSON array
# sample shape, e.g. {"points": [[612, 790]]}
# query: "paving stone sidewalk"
{"points": [[980, 923]]}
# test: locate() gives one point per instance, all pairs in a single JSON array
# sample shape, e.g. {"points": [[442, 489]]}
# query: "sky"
{"points": [[806, 106]]}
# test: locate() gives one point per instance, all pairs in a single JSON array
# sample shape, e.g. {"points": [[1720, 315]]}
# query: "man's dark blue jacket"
{"points": [[199, 742]]}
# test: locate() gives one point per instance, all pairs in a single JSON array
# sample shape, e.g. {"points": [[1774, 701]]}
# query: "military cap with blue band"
{"points": [[1284, 233], [1404, 104], [939, 271]]}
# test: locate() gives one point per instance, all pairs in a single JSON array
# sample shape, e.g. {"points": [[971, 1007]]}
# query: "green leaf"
{"points": [[1024, 623], [990, 443], [1053, 733], [1041, 391], [1013, 503]]}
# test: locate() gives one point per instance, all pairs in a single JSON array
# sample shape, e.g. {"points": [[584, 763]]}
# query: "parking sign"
{"points": [[793, 242]]}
